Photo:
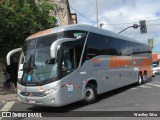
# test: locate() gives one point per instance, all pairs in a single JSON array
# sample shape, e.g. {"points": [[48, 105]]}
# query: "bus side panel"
{"points": [[109, 78], [70, 91], [143, 62]]}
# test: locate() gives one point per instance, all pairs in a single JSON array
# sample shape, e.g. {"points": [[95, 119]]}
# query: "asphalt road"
{"points": [[131, 98]]}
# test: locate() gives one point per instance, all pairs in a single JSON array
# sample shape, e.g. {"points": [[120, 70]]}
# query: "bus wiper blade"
{"points": [[37, 76], [32, 64], [27, 67]]}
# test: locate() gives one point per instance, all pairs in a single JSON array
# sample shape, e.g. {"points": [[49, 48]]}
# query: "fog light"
{"points": [[52, 100]]}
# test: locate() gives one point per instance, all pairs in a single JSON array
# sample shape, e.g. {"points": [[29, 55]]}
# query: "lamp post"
{"points": [[97, 12], [135, 26]]}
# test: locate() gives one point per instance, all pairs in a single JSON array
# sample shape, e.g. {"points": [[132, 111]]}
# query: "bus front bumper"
{"points": [[48, 100]]}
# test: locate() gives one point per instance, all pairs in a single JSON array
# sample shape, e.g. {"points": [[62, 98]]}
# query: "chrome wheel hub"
{"points": [[89, 94]]}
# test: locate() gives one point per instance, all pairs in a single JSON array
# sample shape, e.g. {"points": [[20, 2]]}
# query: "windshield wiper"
{"points": [[27, 65], [37, 76], [33, 70], [32, 64]]}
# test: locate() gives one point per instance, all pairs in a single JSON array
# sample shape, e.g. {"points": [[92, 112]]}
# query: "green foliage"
{"points": [[21, 18]]}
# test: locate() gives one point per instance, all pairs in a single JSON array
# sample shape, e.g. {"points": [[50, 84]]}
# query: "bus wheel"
{"points": [[90, 94], [140, 79]]}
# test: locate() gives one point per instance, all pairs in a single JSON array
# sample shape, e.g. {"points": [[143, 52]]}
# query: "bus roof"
{"points": [[88, 28]]}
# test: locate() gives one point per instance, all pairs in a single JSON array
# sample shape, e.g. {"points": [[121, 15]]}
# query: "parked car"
{"points": [[156, 69]]}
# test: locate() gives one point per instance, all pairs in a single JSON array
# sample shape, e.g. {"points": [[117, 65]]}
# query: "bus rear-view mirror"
{"points": [[11, 53]]}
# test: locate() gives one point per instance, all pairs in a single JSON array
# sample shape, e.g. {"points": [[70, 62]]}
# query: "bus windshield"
{"points": [[45, 67], [38, 66]]}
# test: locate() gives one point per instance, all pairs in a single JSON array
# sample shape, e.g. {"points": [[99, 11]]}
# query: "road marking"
{"points": [[144, 86], [153, 84], [7, 107]]}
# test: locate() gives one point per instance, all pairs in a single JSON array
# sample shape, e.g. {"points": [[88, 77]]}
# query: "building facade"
{"points": [[156, 58], [62, 12]]}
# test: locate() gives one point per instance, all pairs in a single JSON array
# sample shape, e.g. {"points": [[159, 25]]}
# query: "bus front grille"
{"points": [[32, 94]]}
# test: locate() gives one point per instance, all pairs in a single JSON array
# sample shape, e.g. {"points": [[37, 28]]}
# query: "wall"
{"points": [[62, 12], [156, 58]]}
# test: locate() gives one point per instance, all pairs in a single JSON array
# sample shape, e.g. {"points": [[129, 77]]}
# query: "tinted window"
{"points": [[77, 34], [44, 41], [77, 45], [68, 61], [96, 45], [114, 46], [47, 40], [126, 48], [140, 48], [117, 46]]}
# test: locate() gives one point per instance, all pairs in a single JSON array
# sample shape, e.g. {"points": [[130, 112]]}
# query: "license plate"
{"points": [[32, 101]]}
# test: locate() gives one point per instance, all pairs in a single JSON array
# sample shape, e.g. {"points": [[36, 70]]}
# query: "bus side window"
{"points": [[114, 46], [96, 45], [68, 61]]}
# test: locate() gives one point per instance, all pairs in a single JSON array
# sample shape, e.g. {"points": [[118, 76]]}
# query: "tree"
{"points": [[21, 18]]}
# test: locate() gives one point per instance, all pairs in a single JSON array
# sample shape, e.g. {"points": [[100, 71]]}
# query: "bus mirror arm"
{"points": [[11, 53]]}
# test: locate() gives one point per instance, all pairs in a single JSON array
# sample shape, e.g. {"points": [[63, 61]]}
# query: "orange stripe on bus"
{"points": [[119, 62], [146, 66], [45, 32], [135, 62]]}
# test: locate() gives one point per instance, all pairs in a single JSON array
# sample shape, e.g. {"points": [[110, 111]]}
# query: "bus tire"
{"points": [[140, 79], [90, 94]]}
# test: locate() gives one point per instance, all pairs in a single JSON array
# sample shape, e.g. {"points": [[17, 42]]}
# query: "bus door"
{"points": [[67, 69]]}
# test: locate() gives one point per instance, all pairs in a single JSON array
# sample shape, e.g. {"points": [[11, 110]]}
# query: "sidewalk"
{"points": [[7, 95]]}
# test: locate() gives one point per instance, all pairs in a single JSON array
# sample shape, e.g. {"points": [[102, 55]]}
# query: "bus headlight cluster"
{"points": [[49, 91], [52, 90]]}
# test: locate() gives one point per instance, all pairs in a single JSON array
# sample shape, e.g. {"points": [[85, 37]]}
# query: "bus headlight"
{"points": [[52, 90]]}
